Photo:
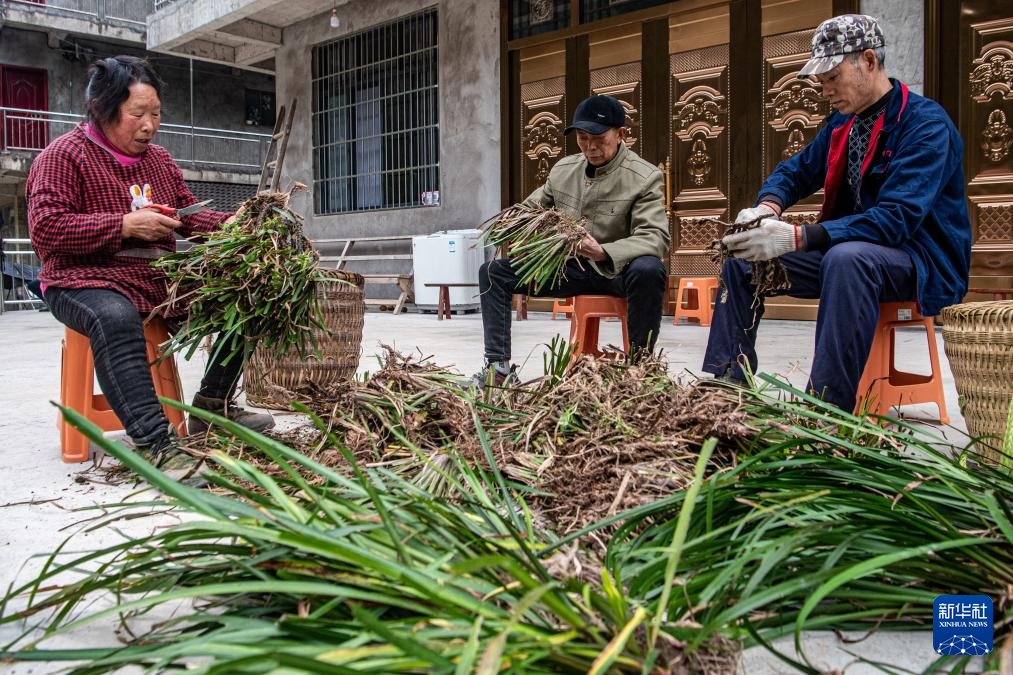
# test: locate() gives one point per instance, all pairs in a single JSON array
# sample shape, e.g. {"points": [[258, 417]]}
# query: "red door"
{"points": [[24, 89]]}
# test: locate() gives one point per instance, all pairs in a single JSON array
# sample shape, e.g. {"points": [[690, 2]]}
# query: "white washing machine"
{"points": [[450, 256]]}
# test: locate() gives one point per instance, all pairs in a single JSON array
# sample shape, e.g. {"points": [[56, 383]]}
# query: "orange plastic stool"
{"points": [[77, 389], [562, 306], [882, 384], [588, 310], [696, 293]]}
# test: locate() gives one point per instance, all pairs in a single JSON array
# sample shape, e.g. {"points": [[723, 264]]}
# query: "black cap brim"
{"points": [[590, 127]]}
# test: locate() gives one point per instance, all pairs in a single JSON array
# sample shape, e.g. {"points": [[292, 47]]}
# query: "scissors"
{"points": [[185, 211]]}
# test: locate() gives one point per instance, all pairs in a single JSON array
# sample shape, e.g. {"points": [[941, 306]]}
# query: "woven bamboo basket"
{"points": [[268, 377], [978, 338]]}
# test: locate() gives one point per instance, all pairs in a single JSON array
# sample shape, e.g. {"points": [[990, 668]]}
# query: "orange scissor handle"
{"points": [[162, 208]]}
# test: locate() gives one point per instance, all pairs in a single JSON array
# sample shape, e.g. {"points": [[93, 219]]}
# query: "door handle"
{"points": [[665, 167]]}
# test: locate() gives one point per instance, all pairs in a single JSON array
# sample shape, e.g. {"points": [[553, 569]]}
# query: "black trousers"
{"points": [[642, 283], [114, 327]]}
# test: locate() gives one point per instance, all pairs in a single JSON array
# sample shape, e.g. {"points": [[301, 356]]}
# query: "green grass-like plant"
{"points": [[821, 520], [252, 281], [539, 241]]}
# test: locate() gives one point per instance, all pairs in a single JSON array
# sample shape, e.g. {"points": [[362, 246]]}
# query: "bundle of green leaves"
{"points": [[539, 241], [253, 281]]}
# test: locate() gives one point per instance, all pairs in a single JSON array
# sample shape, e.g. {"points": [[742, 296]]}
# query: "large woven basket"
{"points": [[267, 377], [978, 337]]}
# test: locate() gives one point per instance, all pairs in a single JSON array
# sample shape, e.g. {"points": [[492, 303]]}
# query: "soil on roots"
{"points": [[605, 437]]}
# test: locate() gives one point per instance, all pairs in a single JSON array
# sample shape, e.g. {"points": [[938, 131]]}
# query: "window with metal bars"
{"points": [[376, 132]]}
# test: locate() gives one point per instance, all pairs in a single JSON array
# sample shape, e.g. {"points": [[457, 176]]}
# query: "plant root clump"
{"points": [[605, 437], [540, 242], [769, 276]]}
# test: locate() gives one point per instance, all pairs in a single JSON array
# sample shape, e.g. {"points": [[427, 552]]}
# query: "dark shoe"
{"points": [[219, 406], [165, 455], [493, 375]]}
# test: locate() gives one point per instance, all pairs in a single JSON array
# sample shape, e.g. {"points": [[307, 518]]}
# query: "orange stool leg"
{"points": [[695, 292], [77, 391], [680, 293], [886, 387], [562, 306], [164, 374], [73, 444], [709, 292]]}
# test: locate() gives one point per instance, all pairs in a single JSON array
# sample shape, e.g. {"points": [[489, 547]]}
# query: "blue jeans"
{"points": [[113, 326], [850, 280], [642, 283]]}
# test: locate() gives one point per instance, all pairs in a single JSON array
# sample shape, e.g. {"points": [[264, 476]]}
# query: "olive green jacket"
{"points": [[623, 203]]}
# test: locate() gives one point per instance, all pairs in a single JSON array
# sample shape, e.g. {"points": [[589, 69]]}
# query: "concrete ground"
{"points": [[42, 497]]}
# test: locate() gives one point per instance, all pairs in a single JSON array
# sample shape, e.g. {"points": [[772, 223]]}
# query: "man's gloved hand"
{"points": [[756, 213], [772, 239]]}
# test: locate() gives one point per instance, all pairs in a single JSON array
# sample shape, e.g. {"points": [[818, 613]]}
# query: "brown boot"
{"points": [[220, 406]]}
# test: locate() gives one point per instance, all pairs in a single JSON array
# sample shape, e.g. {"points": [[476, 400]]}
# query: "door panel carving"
{"points": [[622, 82], [987, 130], [793, 106], [699, 151], [793, 109], [543, 109]]}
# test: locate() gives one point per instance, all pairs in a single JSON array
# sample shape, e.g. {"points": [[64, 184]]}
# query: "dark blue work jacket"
{"points": [[912, 191]]}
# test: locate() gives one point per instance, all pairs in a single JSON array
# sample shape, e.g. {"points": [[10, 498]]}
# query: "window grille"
{"points": [[531, 17], [592, 10], [376, 118]]}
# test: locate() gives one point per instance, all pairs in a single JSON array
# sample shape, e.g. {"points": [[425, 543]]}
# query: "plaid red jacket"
{"points": [[77, 196]]}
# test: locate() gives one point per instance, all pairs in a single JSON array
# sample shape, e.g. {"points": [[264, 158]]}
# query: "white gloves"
{"points": [[756, 213], [772, 239]]}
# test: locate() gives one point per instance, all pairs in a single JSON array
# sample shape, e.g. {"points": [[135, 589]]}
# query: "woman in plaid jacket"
{"points": [[88, 194]]}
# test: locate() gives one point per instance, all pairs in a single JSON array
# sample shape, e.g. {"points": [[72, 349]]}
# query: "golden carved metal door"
{"points": [[615, 70], [543, 113], [699, 155], [986, 125], [793, 109]]}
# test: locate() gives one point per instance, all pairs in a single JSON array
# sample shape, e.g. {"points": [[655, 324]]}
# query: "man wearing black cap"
{"points": [[893, 226], [621, 196]]}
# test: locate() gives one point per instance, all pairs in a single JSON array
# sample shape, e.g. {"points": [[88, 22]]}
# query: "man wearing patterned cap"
{"points": [[893, 226]]}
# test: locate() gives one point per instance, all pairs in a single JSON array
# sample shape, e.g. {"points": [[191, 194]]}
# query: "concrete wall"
{"points": [[219, 91], [468, 45], [903, 25]]}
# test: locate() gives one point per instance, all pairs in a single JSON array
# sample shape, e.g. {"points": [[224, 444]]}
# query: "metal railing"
{"points": [[32, 130], [133, 12], [20, 266], [159, 4]]}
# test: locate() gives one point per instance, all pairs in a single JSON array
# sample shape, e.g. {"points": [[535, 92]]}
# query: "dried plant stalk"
{"points": [[540, 241], [769, 276], [591, 437]]}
